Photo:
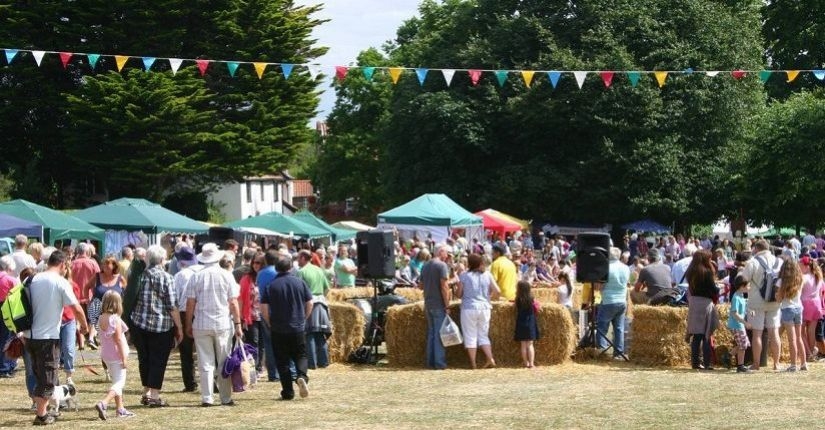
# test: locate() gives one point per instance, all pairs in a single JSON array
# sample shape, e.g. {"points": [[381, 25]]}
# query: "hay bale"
{"points": [[406, 336], [411, 294], [347, 330], [638, 297], [344, 294], [546, 295]]}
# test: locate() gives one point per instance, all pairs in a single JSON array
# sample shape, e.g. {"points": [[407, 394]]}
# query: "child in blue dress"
{"points": [[527, 330], [737, 323]]}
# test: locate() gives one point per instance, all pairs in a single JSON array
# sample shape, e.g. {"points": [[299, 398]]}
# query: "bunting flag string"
{"points": [[608, 77]]}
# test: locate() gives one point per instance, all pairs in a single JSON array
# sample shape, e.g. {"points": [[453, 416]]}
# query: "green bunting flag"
{"points": [[232, 66], [93, 60], [368, 72]]}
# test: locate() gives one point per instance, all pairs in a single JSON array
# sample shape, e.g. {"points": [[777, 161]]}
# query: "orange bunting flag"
{"points": [[120, 61], [341, 72], [792, 74], [660, 78], [607, 78], [202, 65], [738, 74], [259, 69], [65, 57], [475, 75], [395, 73], [528, 77]]}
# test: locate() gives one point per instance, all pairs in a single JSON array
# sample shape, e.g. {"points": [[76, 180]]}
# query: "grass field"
{"points": [[587, 395]]}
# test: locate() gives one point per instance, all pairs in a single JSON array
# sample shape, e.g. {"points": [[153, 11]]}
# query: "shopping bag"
{"points": [[450, 334], [242, 355]]}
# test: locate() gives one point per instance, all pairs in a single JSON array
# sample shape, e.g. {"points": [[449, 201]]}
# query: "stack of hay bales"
{"points": [[546, 295], [344, 294], [406, 336], [347, 330], [411, 294]]}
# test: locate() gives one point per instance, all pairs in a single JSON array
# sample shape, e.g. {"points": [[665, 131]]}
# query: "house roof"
{"points": [[302, 188]]}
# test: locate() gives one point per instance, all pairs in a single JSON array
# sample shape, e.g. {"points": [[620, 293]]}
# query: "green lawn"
{"points": [[589, 395]]}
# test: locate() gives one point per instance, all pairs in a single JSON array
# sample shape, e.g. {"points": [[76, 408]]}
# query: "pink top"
{"points": [[811, 290], [108, 342], [7, 282]]}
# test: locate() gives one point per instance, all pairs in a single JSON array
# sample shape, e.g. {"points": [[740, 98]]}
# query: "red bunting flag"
{"points": [[202, 65], [65, 57], [341, 72], [607, 78], [475, 75], [738, 74]]}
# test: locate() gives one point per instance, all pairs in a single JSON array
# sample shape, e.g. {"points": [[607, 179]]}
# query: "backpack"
{"points": [[17, 309], [769, 282]]}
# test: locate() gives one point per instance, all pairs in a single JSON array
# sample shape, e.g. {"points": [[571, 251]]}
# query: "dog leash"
{"points": [[88, 367]]}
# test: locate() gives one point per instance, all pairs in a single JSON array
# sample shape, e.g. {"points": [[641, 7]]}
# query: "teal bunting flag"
{"points": [[286, 69], [93, 60], [634, 78], [368, 72], [554, 78], [10, 54], [501, 77], [422, 75], [232, 66], [147, 63], [764, 75]]}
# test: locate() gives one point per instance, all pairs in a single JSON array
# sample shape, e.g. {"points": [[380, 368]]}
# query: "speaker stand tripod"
{"points": [[592, 335], [375, 327]]}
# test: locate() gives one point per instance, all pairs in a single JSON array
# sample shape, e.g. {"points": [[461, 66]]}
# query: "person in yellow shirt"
{"points": [[504, 272]]}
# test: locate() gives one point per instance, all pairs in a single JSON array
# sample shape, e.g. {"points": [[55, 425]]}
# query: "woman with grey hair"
{"points": [[156, 325]]}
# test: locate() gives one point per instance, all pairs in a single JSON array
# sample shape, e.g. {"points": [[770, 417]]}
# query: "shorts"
{"points": [[792, 316], [475, 326], [45, 360], [811, 310], [762, 318], [741, 338]]}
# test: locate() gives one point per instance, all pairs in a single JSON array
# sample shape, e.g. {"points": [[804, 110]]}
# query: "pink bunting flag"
{"points": [[341, 72], [202, 65], [65, 57], [475, 75], [738, 74], [607, 78]]}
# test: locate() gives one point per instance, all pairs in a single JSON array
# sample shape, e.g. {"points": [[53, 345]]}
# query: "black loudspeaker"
{"points": [[592, 252], [376, 254]]}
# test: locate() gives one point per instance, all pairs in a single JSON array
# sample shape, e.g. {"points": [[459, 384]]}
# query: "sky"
{"points": [[354, 25]]}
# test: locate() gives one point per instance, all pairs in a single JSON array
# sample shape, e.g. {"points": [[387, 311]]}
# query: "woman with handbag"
{"points": [[476, 288]]}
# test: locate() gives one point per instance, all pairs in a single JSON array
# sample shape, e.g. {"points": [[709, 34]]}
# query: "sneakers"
{"points": [[743, 369], [156, 403], [124, 413], [101, 410], [43, 421], [790, 369], [303, 386]]}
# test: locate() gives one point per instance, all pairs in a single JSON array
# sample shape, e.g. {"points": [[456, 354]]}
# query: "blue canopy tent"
{"points": [[646, 225], [11, 226]]}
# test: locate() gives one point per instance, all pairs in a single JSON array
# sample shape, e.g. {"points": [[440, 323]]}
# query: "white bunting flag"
{"points": [[314, 70], [448, 75], [175, 64], [712, 73], [38, 56], [580, 77]]}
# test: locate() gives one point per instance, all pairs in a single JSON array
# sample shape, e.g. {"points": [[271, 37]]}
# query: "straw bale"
{"points": [[406, 336], [546, 295], [411, 294], [638, 297], [347, 330], [344, 294]]}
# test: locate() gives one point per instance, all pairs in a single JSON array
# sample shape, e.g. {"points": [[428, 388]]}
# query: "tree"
{"points": [[794, 35]]}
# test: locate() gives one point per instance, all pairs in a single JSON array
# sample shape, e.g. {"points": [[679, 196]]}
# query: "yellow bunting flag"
{"points": [[792, 74], [121, 60], [259, 68], [395, 73], [660, 77], [528, 77]]}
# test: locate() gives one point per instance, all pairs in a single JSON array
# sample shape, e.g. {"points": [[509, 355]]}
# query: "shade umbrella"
{"points": [[282, 224], [647, 225], [523, 223], [497, 224], [337, 233], [139, 214], [12, 226], [56, 225]]}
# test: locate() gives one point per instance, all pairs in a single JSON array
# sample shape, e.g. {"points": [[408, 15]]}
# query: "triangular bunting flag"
{"points": [[174, 63], [554, 77], [475, 75], [738, 74], [395, 73], [341, 72], [527, 75], [314, 70], [633, 77], [259, 69], [286, 69], [607, 78], [10, 53], [580, 77], [764, 75], [792, 74], [422, 75], [712, 73], [660, 78], [232, 66], [147, 63], [202, 65], [93, 60], [688, 71], [38, 56], [819, 74], [65, 57], [120, 61], [448, 75], [368, 72], [501, 77]]}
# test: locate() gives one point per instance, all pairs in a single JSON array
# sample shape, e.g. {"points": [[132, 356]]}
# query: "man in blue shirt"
{"points": [[614, 304]]}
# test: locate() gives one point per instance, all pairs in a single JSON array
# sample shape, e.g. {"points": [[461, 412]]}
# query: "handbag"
{"points": [[450, 333], [13, 348]]}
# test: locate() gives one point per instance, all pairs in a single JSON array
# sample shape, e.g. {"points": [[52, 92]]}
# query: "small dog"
{"points": [[64, 395]]}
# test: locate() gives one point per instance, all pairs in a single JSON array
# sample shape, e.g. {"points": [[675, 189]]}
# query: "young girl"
{"points": [[737, 323], [790, 290], [812, 287], [114, 351], [527, 329]]}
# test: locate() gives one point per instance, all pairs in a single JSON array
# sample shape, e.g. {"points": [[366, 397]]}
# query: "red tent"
{"points": [[497, 224]]}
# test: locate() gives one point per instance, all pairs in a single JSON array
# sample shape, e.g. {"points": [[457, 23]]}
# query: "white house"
{"points": [[255, 196]]}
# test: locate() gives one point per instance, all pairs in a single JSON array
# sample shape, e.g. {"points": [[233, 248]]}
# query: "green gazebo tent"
{"points": [[56, 225], [138, 214], [282, 224], [338, 234]]}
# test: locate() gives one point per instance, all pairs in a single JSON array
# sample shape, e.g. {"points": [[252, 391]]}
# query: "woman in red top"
{"points": [[249, 304]]}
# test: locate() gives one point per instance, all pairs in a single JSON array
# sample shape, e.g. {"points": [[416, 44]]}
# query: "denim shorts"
{"points": [[791, 316]]}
